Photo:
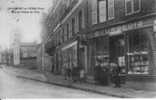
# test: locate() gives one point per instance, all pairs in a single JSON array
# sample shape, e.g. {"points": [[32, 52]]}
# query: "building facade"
{"points": [[115, 31]]}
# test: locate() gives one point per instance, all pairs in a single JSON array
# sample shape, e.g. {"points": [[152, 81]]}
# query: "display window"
{"points": [[138, 52], [102, 50]]}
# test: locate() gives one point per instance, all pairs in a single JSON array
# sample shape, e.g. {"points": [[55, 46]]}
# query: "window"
{"points": [[62, 34], [93, 11], [70, 29], [128, 6], [80, 20], [132, 6], [67, 31], [110, 9], [102, 10], [73, 25], [136, 5], [138, 52]]}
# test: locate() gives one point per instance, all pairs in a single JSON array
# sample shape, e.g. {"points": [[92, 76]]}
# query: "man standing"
{"points": [[116, 75]]}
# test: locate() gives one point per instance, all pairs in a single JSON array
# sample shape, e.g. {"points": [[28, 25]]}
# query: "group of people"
{"points": [[103, 75], [74, 74], [106, 74]]}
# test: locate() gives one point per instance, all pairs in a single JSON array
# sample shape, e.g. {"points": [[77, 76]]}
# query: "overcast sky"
{"points": [[28, 25]]}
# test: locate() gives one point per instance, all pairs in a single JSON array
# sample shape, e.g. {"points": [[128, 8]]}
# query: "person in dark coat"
{"points": [[98, 71], [116, 76], [74, 74], [104, 78]]}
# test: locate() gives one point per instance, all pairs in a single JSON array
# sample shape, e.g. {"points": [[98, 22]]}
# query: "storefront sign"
{"points": [[125, 27]]}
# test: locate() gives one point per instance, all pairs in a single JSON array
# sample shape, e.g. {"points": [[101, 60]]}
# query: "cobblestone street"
{"points": [[13, 87]]}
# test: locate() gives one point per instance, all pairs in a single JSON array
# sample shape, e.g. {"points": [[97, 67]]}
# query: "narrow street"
{"points": [[13, 87]]}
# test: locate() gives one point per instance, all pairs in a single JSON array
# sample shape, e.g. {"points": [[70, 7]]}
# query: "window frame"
{"points": [[139, 7], [73, 25], [67, 26], [132, 9], [80, 20], [98, 11], [110, 18]]}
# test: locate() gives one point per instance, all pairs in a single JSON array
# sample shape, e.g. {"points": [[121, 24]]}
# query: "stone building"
{"points": [[28, 55], [115, 31]]}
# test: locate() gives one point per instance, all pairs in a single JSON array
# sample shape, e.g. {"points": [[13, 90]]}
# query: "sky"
{"points": [[27, 25]]}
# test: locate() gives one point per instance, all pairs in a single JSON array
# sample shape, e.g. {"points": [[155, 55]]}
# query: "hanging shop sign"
{"points": [[70, 45]]}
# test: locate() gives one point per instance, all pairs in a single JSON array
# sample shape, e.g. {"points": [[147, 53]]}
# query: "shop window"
{"points": [[138, 53], [102, 11], [132, 6], [102, 50], [110, 9]]}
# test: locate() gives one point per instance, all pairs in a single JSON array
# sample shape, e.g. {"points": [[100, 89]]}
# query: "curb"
{"points": [[74, 87]]}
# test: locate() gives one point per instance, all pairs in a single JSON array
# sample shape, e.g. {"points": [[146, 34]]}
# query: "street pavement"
{"points": [[52, 79], [14, 87]]}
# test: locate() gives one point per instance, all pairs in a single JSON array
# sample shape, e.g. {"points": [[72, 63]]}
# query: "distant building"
{"points": [[28, 50], [16, 49], [28, 54]]}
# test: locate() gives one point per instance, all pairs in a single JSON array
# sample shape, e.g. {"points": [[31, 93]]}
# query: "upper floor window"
{"points": [[93, 11], [63, 34], [102, 16], [132, 6], [80, 20], [67, 31], [110, 9], [73, 25]]}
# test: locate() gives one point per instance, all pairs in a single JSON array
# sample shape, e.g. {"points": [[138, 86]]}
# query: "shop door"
{"points": [[117, 53], [83, 57], [116, 48]]}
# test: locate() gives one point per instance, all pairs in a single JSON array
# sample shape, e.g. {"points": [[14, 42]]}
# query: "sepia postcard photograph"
{"points": [[56, 49]]}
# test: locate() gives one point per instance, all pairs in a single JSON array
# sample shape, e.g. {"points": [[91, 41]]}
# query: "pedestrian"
{"points": [[66, 73], [98, 71], [75, 73], [116, 75], [104, 76], [52, 69], [82, 75]]}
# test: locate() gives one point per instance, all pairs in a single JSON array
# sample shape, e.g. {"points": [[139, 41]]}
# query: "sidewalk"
{"points": [[59, 80]]}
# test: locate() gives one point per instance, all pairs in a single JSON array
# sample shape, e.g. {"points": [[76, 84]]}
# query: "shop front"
{"points": [[133, 50], [138, 51], [69, 55], [98, 50], [132, 46]]}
